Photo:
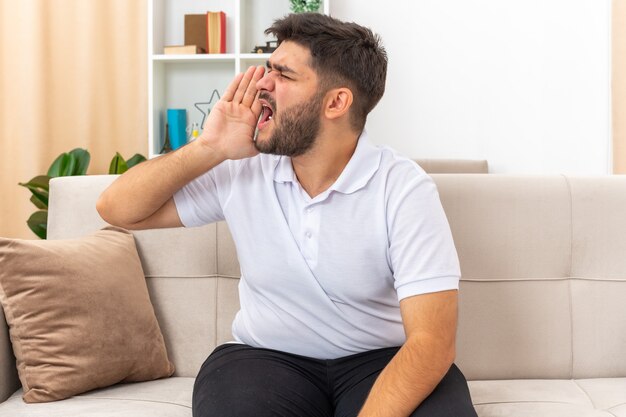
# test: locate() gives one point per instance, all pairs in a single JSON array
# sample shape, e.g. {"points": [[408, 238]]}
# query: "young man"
{"points": [[349, 274]]}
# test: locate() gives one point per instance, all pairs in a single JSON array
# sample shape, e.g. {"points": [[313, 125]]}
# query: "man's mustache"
{"points": [[266, 96]]}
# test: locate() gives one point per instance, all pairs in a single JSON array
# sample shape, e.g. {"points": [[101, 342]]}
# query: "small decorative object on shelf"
{"points": [[198, 106], [166, 142], [269, 47], [195, 132], [177, 120], [303, 6]]}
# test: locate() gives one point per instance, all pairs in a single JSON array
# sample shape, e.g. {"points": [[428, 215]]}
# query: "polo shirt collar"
{"points": [[284, 170], [360, 168]]}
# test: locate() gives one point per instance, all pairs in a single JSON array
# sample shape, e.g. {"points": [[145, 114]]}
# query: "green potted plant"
{"points": [[74, 162], [303, 6]]}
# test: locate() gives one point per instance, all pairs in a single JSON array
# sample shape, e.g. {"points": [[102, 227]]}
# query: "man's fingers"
{"points": [[232, 87], [243, 85], [242, 89], [256, 107], [251, 91]]}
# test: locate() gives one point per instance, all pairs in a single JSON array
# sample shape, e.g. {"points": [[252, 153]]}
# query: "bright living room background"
{"points": [[534, 87], [73, 74]]}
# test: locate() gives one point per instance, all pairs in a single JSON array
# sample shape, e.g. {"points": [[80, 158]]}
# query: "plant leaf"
{"points": [[70, 163], [40, 182], [38, 223], [135, 159], [38, 203], [59, 165], [42, 196], [118, 164], [82, 158], [70, 167], [39, 187]]}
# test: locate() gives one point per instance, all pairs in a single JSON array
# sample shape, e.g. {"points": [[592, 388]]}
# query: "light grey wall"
{"points": [[524, 84]]}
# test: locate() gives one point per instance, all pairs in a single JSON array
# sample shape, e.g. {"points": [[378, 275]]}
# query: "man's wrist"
{"points": [[196, 158], [209, 149]]}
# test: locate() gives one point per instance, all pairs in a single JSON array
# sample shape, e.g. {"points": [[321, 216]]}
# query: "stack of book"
{"points": [[204, 33]]}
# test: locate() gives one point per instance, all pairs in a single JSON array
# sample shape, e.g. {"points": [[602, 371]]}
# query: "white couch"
{"points": [[542, 329]]}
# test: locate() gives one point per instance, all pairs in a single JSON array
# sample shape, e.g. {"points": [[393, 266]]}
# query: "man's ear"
{"points": [[337, 102]]}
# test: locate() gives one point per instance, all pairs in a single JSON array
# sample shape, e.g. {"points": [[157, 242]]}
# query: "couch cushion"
{"points": [[604, 397], [162, 398], [79, 314], [512, 398], [606, 393]]}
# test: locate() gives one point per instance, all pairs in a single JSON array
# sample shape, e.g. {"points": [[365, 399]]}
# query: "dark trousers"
{"points": [[242, 381]]}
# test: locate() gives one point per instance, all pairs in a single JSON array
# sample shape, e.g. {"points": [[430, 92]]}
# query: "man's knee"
{"points": [[450, 398]]}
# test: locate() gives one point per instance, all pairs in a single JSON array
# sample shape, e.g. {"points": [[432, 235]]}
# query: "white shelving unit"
{"points": [[179, 81]]}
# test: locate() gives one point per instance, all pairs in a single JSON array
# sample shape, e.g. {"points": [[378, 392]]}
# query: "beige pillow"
{"points": [[79, 314]]}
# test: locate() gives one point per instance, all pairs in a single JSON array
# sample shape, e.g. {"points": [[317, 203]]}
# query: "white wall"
{"points": [[524, 84]]}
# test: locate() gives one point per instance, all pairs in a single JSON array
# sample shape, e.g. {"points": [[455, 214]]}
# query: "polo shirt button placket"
{"points": [[309, 230]]}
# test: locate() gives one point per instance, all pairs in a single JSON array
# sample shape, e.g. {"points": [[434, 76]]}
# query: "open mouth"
{"points": [[266, 117], [267, 113]]}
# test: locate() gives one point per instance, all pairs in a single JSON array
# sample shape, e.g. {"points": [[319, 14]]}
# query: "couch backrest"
{"points": [[543, 258], [454, 166]]}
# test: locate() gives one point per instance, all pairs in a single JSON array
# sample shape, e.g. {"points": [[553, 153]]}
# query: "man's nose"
{"points": [[266, 83]]}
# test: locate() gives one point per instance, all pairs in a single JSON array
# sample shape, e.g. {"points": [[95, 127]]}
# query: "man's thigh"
{"points": [[238, 380], [451, 398]]}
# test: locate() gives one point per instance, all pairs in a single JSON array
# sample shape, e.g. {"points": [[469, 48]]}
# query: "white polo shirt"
{"points": [[322, 277]]}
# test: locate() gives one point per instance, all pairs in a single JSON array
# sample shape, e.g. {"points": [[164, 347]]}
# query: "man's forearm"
{"points": [[408, 379], [146, 187], [142, 197]]}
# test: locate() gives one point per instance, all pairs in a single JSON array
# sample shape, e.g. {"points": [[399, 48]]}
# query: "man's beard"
{"points": [[295, 131]]}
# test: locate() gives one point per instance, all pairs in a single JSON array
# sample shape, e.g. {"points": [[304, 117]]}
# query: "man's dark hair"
{"points": [[344, 54]]}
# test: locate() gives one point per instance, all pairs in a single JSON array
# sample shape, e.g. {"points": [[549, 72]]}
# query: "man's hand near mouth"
{"points": [[230, 127]]}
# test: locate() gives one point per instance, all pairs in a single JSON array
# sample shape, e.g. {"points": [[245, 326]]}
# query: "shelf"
{"points": [[210, 57], [194, 58]]}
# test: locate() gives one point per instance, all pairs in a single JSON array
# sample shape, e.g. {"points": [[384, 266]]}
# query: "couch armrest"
{"points": [[9, 382]]}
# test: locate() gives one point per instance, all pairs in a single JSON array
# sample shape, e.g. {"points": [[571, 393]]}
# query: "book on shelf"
{"points": [[195, 30], [216, 32], [183, 50], [208, 31]]}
